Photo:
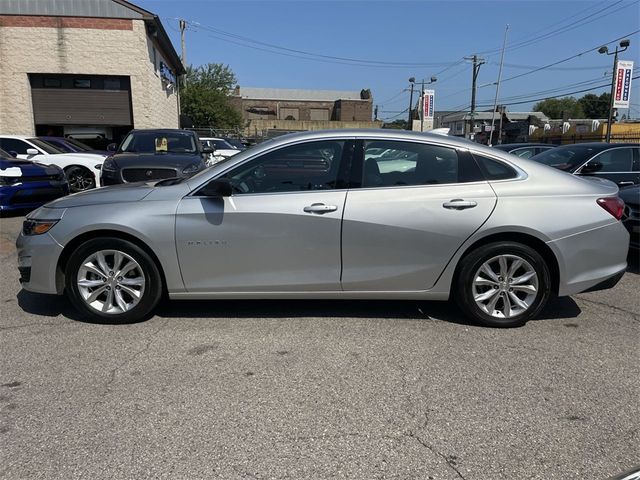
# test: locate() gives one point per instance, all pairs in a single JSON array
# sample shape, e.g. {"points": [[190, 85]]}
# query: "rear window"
{"points": [[566, 158], [494, 169]]}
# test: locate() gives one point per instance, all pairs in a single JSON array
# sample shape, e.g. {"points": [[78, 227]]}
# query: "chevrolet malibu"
{"points": [[316, 215]]}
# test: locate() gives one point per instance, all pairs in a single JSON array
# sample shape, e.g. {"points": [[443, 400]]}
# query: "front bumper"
{"points": [[38, 262], [28, 196]]}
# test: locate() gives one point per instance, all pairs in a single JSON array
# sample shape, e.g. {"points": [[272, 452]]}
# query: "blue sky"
{"points": [[380, 44]]}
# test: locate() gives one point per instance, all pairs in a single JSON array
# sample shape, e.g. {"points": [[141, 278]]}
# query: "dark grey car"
{"points": [[154, 155]]}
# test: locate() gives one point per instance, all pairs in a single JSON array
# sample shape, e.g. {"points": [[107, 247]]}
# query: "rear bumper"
{"points": [[591, 258]]}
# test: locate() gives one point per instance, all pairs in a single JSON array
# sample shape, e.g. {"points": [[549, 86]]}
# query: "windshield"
{"points": [[159, 142], [46, 146], [565, 158], [218, 144], [79, 145]]}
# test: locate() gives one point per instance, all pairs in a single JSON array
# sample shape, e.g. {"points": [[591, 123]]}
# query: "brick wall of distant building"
{"points": [[341, 110]]}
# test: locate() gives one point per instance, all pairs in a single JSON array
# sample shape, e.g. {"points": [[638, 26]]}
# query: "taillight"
{"points": [[613, 205]]}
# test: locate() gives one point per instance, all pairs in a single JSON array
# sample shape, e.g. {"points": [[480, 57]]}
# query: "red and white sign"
{"points": [[427, 106], [622, 91]]}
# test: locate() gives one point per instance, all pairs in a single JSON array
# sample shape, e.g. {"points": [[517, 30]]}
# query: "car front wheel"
{"points": [[111, 280], [503, 284], [80, 179]]}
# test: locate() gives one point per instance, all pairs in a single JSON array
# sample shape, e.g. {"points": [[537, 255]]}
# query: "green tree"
{"points": [[205, 96], [396, 124], [558, 108], [595, 106]]}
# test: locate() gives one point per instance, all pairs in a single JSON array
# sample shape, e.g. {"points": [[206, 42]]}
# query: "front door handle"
{"points": [[320, 208], [459, 204], [624, 184]]}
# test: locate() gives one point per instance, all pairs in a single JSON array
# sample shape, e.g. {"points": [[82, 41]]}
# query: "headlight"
{"points": [[37, 227], [109, 165], [4, 181], [193, 168]]}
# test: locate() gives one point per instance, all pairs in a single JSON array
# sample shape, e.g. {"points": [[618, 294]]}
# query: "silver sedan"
{"points": [[324, 215]]}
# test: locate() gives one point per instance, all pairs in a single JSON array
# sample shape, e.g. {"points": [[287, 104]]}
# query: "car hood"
{"points": [[25, 168], [167, 160], [127, 192]]}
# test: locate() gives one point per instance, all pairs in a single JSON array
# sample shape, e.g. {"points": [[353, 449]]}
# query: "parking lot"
{"points": [[317, 389]]}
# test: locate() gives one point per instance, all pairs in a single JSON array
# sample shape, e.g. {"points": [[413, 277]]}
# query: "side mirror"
{"points": [[220, 187], [32, 151], [591, 167], [207, 150], [112, 147]]}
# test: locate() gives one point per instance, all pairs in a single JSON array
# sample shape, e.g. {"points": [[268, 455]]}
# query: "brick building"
{"points": [[275, 109], [86, 68]]}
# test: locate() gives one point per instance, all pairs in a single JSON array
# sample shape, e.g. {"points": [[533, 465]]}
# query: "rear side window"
{"points": [[494, 169], [615, 160], [389, 163]]}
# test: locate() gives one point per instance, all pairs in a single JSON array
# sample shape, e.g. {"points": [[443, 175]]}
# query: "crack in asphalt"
{"points": [[634, 315], [114, 371], [410, 433]]}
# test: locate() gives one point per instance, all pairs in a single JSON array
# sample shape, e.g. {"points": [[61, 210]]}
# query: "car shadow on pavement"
{"points": [[558, 308], [53, 306]]}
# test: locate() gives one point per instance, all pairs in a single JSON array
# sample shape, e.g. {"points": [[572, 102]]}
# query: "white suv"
{"points": [[81, 169]]}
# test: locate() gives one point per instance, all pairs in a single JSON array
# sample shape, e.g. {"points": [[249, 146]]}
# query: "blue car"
{"points": [[26, 185]]}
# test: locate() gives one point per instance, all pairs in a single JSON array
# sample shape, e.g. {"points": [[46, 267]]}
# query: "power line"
{"points": [[278, 49], [544, 67], [558, 96], [576, 24]]}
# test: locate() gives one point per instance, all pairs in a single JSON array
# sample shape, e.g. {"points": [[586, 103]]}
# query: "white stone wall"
{"points": [[87, 51]]}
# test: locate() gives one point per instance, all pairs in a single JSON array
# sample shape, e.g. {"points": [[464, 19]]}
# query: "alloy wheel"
{"points": [[505, 286], [110, 281]]}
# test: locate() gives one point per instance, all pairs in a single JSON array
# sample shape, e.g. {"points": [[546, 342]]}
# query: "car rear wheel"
{"points": [[112, 280], [503, 284], [79, 178]]}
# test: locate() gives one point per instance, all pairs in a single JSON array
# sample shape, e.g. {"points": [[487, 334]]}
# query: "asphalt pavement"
{"points": [[317, 389]]}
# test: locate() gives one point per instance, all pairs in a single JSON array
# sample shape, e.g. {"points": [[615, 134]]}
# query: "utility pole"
{"points": [[495, 101], [410, 124], [183, 26], [477, 62]]}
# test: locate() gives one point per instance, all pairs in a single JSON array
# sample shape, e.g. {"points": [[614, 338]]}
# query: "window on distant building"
{"points": [[289, 114], [81, 83], [52, 82], [112, 84], [319, 114]]}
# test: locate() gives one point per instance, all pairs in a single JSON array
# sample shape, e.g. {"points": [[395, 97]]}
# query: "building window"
{"points": [[289, 114], [112, 84], [259, 113], [81, 83], [319, 114], [52, 82]]}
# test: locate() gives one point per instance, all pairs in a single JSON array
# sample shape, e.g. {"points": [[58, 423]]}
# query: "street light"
{"points": [[412, 80], [624, 44]]}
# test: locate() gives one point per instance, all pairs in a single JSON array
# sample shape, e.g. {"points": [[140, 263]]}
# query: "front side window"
{"points": [[390, 163], [297, 168], [616, 160], [523, 152]]}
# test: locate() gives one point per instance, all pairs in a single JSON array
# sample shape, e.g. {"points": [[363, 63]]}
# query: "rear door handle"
{"points": [[320, 208], [459, 204]]}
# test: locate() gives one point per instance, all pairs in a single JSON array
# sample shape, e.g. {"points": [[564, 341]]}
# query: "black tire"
{"points": [[79, 178], [153, 281], [469, 267]]}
